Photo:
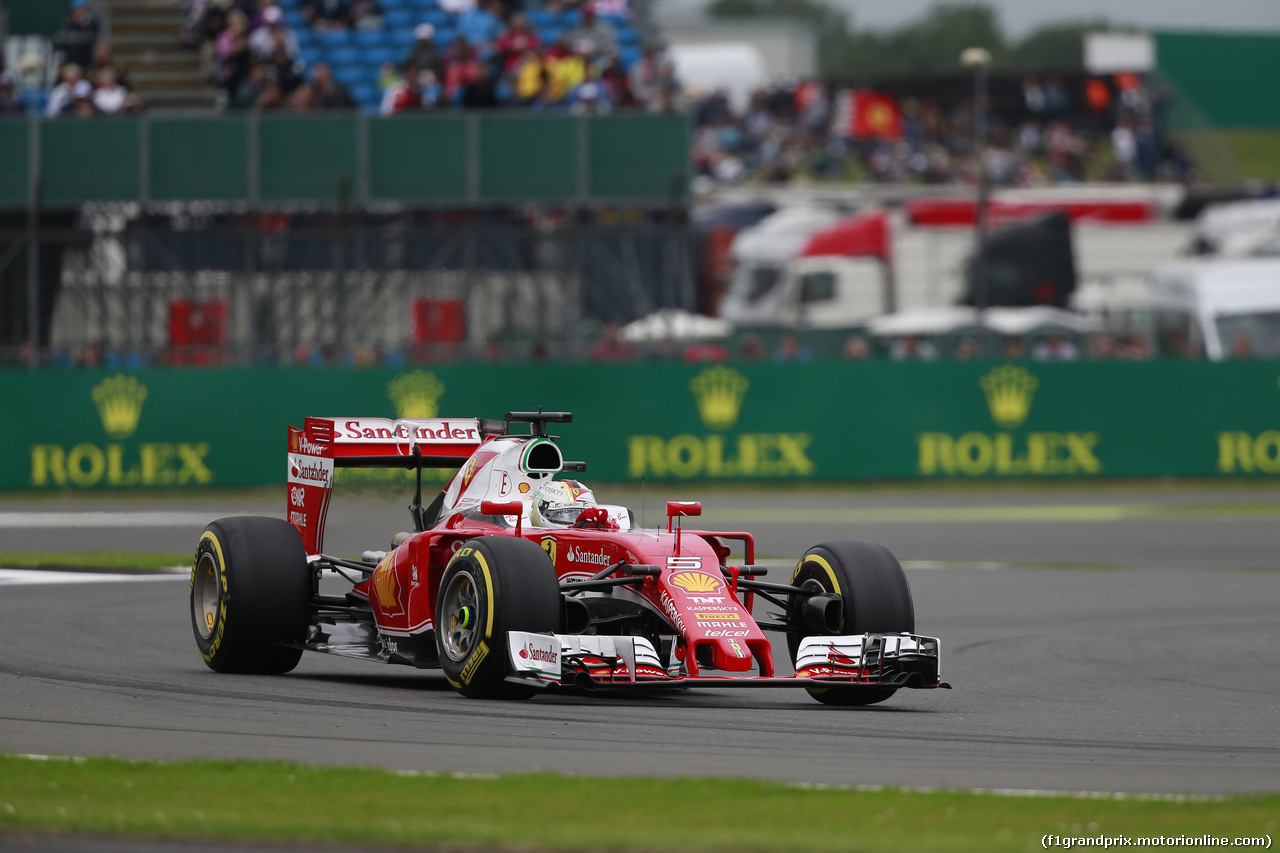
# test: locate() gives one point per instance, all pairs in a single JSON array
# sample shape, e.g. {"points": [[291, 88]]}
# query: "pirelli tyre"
{"points": [[492, 585], [874, 595], [250, 595]]}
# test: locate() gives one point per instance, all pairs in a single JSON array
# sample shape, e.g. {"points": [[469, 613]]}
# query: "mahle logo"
{"points": [[416, 394], [1009, 390], [719, 392], [119, 400]]}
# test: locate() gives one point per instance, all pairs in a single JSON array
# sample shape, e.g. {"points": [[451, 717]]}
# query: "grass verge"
{"points": [[104, 560], [276, 800], [1226, 156]]}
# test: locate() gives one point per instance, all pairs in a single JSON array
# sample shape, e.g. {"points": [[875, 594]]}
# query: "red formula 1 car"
{"points": [[514, 581]]}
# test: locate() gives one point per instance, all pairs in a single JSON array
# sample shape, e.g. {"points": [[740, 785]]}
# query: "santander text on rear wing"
{"points": [[325, 443]]}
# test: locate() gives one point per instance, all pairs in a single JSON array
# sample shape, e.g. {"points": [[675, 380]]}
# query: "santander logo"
{"points": [[577, 555], [532, 652]]}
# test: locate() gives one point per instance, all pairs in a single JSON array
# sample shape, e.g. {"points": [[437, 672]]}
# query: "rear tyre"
{"points": [[250, 595], [493, 584], [875, 597]]}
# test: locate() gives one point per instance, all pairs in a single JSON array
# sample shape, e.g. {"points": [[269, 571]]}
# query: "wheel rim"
{"points": [[206, 591], [461, 612]]}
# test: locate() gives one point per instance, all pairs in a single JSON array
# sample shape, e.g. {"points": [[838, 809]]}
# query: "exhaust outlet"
{"points": [[823, 613]]}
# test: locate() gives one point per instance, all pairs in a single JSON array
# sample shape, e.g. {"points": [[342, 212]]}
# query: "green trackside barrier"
{"points": [[1216, 75], [672, 422], [453, 159]]}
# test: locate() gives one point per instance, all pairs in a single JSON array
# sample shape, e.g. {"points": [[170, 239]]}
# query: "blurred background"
{"points": [[418, 186]]}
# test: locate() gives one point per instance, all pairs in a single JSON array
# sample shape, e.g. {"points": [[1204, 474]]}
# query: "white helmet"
{"points": [[559, 503]]}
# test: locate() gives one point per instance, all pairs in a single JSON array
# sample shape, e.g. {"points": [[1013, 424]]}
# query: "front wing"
{"points": [[615, 662]]}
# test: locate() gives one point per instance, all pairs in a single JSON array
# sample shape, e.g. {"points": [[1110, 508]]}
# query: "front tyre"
{"points": [[250, 595], [875, 596], [493, 584]]}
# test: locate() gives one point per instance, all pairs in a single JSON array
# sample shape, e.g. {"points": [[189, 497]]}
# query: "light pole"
{"points": [[978, 58]]}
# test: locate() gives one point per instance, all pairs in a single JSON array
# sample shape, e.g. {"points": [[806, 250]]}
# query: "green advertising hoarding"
{"points": [[821, 421]]}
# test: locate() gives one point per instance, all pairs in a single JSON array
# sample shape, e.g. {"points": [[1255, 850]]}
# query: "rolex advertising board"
{"points": [[70, 430]]}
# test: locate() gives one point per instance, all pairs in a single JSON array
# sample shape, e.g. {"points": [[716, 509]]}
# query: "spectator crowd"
{"points": [[89, 82], [456, 53], [1111, 129]]}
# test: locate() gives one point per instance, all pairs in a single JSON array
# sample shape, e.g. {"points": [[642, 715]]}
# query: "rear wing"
{"points": [[325, 443]]}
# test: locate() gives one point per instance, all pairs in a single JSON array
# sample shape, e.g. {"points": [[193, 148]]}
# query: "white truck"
{"points": [[1222, 308]]}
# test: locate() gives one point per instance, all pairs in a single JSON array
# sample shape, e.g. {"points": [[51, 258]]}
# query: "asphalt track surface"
{"points": [[1123, 638]]}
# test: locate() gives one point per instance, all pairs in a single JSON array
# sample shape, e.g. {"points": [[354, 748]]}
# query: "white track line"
{"points": [[37, 577], [18, 520]]}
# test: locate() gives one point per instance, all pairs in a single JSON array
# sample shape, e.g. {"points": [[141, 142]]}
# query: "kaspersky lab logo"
{"points": [[718, 394], [416, 394], [1009, 391], [119, 401]]}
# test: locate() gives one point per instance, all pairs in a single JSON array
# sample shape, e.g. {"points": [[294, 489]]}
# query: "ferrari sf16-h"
{"points": [[514, 581]]}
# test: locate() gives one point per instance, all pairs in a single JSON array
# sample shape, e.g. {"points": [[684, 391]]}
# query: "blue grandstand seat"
{"points": [[550, 35], [401, 38], [541, 18], [627, 37], [426, 5], [570, 18], [446, 36], [365, 93], [616, 20], [629, 56], [388, 5], [344, 55], [367, 38], [306, 38], [310, 56], [294, 19], [350, 75], [287, 5], [399, 18], [376, 56], [436, 17], [334, 38]]}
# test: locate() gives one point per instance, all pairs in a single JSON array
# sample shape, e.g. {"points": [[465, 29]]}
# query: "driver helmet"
{"points": [[559, 503]]}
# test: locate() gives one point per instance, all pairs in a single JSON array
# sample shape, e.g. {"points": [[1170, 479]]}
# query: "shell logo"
{"points": [[696, 581]]}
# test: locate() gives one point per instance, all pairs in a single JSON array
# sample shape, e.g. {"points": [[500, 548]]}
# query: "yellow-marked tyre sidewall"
{"points": [[264, 589], [474, 675], [834, 566], [520, 592], [209, 546]]}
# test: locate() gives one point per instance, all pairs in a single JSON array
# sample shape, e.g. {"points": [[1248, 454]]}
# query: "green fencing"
{"points": [[822, 421], [1223, 81], [452, 159]]}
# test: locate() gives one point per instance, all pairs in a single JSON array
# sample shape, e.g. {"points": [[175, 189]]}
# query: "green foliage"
{"points": [[930, 46]]}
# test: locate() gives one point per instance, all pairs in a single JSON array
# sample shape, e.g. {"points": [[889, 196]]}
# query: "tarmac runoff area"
{"points": [[1123, 639]]}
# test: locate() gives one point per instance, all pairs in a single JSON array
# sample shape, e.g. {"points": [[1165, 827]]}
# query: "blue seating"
{"points": [[388, 5], [350, 75], [310, 56], [550, 35], [368, 38], [402, 38], [294, 20], [570, 18], [344, 55], [397, 18], [426, 6], [446, 36], [306, 38], [540, 18], [436, 17], [334, 38], [374, 57], [630, 56], [617, 20], [627, 37]]}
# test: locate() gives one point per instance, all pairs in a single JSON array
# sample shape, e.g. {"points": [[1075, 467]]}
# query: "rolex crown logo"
{"points": [[1009, 390], [719, 392], [119, 400], [416, 394]]}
